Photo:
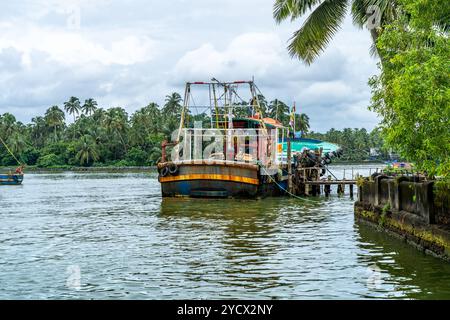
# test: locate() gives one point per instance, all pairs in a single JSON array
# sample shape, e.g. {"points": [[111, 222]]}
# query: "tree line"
{"points": [[411, 94], [111, 137]]}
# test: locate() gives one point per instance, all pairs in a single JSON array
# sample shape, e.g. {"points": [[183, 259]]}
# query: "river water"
{"points": [[111, 236]]}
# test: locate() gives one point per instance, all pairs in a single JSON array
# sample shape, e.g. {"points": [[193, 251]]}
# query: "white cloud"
{"points": [[248, 54], [129, 53], [78, 48]]}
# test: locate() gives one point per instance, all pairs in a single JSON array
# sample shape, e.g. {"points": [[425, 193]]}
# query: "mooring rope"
{"points": [[279, 186], [12, 154]]}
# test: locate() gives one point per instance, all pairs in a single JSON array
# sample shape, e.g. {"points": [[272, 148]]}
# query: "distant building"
{"points": [[374, 152]]}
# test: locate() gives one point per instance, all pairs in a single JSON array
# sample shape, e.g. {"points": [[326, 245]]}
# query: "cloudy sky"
{"points": [[131, 52]]}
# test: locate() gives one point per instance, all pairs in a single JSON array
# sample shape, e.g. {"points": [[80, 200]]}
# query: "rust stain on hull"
{"points": [[222, 177]]}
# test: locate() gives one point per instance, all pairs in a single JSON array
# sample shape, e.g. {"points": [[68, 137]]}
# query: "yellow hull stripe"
{"points": [[223, 177]]}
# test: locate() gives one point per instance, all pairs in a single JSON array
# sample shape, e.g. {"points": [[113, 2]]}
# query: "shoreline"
{"points": [[34, 169], [110, 169]]}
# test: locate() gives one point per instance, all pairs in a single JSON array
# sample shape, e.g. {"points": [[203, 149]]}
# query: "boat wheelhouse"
{"points": [[236, 153]]}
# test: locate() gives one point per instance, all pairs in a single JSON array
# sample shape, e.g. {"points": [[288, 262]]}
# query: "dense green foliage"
{"points": [[99, 137], [356, 143], [412, 93]]}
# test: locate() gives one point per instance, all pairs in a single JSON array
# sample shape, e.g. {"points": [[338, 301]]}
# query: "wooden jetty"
{"points": [[312, 178]]}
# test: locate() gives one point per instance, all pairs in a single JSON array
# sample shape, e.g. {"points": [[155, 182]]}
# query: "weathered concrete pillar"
{"points": [[397, 195], [427, 201], [392, 192], [377, 194]]}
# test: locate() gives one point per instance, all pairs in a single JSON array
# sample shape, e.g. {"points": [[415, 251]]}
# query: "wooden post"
{"points": [[289, 165], [313, 190], [327, 188], [351, 191], [340, 189]]}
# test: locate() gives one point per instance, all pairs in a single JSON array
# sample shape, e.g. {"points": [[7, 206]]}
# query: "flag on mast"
{"points": [[292, 119]]}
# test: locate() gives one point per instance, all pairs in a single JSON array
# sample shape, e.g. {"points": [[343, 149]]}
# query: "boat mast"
{"points": [[183, 111], [258, 105]]}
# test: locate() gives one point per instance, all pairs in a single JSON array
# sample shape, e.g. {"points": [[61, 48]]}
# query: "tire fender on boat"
{"points": [[173, 169], [164, 171]]}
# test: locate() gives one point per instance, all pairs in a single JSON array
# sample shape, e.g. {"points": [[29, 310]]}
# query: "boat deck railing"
{"points": [[234, 145]]}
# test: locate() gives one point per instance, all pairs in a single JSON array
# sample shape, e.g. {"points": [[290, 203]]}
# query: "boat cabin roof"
{"points": [[255, 123]]}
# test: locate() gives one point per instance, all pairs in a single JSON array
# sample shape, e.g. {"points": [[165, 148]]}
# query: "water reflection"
{"points": [[243, 228], [251, 237], [404, 270], [130, 243]]}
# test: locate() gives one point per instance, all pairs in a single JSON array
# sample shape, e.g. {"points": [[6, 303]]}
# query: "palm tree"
{"points": [[172, 112], [38, 131], [87, 150], [7, 124], [54, 118], [89, 106], [279, 110], [17, 142], [262, 104], [98, 115], [116, 121], [172, 107], [302, 123], [326, 18], [72, 107], [145, 122]]}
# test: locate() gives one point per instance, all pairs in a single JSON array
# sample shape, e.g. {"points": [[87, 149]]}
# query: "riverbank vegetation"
{"points": [[110, 137], [412, 92]]}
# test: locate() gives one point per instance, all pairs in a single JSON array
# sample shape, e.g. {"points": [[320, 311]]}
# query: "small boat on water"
{"points": [[239, 153], [11, 179]]}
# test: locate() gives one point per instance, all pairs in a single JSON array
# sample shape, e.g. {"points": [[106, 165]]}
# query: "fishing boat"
{"points": [[239, 153], [11, 179]]}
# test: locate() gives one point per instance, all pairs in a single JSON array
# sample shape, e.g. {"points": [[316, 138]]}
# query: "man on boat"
{"points": [[19, 169]]}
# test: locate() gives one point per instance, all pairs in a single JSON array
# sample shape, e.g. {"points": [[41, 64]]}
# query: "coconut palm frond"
{"points": [[359, 12], [282, 9], [318, 30]]}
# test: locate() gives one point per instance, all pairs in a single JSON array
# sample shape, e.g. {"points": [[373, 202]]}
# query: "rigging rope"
{"points": [[12, 154]]}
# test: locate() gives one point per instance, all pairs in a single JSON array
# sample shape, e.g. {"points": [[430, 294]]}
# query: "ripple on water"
{"points": [[127, 242]]}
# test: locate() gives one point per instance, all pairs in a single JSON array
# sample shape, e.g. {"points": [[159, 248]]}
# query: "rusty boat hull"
{"points": [[216, 180]]}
